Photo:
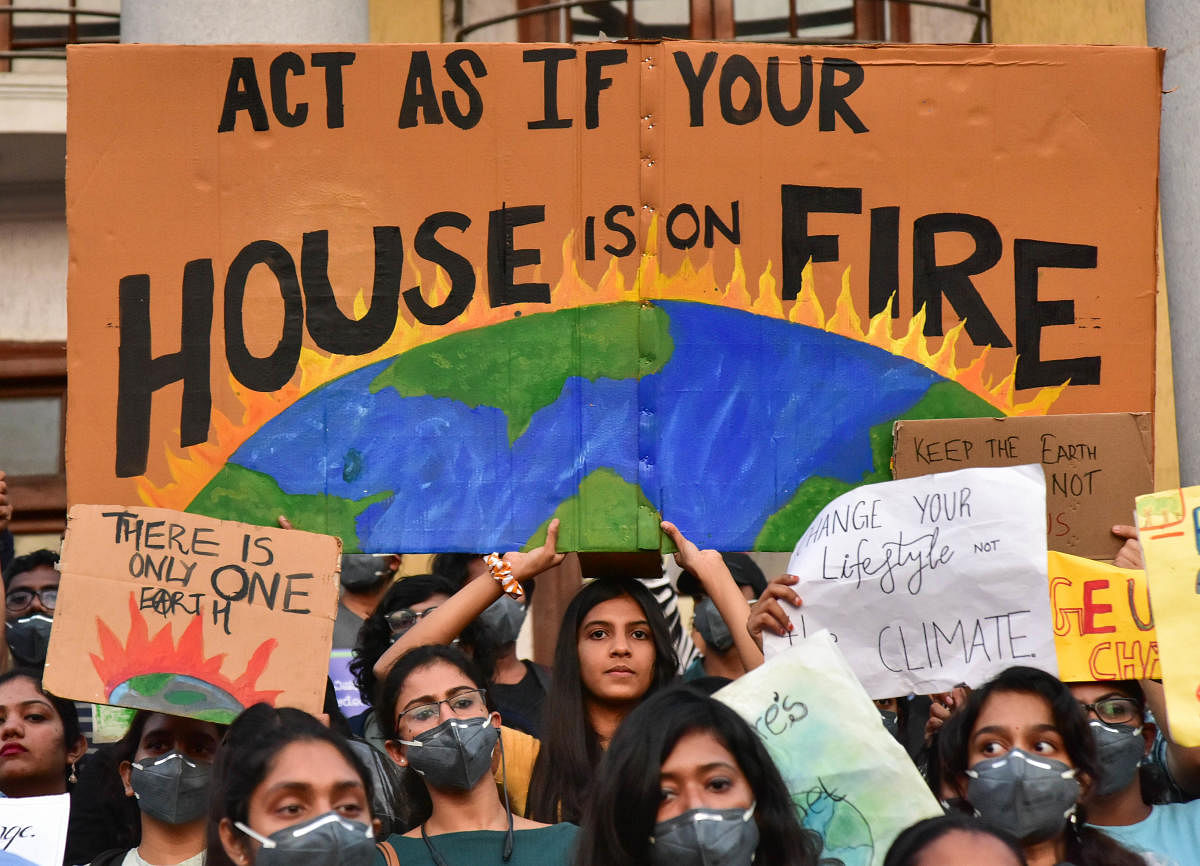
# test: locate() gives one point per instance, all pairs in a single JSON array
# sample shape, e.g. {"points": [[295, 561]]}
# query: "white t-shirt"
{"points": [[1169, 837], [132, 859]]}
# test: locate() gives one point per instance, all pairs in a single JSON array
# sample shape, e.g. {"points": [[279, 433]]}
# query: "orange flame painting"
{"points": [[158, 674]]}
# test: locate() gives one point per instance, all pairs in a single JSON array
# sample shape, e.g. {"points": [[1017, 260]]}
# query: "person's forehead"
{"points": [[619, 609], [1091, 692], [36, 578], [1015, 710]]}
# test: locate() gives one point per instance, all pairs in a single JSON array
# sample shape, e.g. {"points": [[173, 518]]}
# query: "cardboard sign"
{"points": [[929, 582], [1095, 465], [1103, 624], [1169, 530], [34, 830], [188, 615], [430, 297], [849, 778]]}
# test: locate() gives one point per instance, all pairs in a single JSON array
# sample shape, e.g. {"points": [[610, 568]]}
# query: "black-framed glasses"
{"points": [[1114, 711], [400, 621], [466, 704], [18, 599]]}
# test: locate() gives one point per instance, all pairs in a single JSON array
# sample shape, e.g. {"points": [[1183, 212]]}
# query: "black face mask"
{"points": [[28, 638], [891, 721], [363, 571]]}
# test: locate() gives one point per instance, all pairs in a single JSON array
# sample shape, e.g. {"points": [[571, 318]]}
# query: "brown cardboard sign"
{"points": [[430, 297], [184, 614], [1095, 466]]}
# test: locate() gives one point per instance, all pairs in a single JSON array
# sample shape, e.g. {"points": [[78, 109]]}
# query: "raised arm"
{"points": [[712, 572], [457, 612]]}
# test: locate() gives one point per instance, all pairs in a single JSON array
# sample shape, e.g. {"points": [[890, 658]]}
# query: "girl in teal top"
{"points": [[445, 730]]}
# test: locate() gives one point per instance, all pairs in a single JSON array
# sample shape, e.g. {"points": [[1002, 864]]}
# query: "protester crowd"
{"points": [[619, 754]]}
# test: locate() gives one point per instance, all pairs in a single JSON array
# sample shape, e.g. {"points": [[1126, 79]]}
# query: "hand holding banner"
{"points": [[189, 615], [931, 581]]}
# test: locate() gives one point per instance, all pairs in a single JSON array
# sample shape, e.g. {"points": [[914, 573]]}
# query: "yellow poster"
{"points": [[1103, 625], [1169, 528]]}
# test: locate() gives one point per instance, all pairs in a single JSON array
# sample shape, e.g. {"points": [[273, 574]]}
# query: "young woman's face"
{"points": [[433, 693], [616, 651], [701, 773], [192, 738], [1016, 720], [307, 779], [33, 755]]}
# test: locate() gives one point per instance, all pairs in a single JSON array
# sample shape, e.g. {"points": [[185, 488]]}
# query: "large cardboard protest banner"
{"points": [[851, 781], [1169, 529], [1103, 624], [193, 616], [430, 297], [1095, 466], [929, 582]]}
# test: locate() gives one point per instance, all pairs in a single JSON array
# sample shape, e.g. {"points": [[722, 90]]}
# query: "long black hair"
{"points": [[375, 635], [1085, 846], [623, 805], [415, 805], [907, 847], [245, 756], [570, 748]]}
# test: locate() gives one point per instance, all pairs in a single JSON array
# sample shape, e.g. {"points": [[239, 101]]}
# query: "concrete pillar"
{"points": [[1172, 24], [218, 21]]}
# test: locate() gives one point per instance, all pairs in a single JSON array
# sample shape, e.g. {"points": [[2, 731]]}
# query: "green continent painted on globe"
{"points": [[177, 693], [520, 367], [237, 493], [942, 400], [609, 501]]}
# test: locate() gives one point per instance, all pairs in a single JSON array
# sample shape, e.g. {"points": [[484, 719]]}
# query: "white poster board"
{"points": [[851, 781], [33, 829], [929, 582]]}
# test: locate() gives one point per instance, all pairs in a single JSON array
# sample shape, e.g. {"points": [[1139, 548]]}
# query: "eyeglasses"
{"points": [[466, 704], [19, 599], [400, 621], [1114, 711]]}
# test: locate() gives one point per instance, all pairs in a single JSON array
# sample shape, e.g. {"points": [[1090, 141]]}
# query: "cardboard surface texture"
{"points": [[1103, 624], [1095, 466], [184, 614], [1168, 523], [430, 297]]}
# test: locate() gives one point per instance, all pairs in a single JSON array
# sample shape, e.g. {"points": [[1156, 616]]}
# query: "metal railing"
{"points": [[609, 16], [41, 40]]}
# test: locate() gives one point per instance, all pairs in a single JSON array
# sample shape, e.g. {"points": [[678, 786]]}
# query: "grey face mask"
{"points": [[327, 839], [171, 788], [707, 620], [362, 571], [1120, 749], [503, 619], [456, 754], [1029, 796], [705, 837], [28, 638]]}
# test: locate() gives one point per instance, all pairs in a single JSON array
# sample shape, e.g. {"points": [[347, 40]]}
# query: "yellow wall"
{"points": [[406, 20], [1096, 22]]}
